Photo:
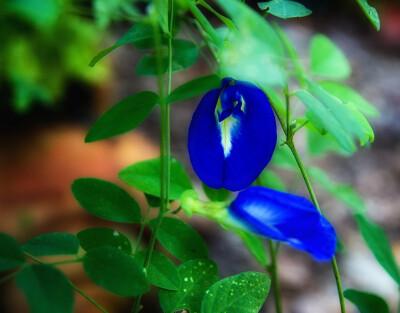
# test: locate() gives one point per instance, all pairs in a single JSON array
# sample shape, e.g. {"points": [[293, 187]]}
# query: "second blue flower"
{"points": [[232, 135]]}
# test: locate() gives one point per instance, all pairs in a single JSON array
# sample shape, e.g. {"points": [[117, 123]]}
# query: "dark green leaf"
{"points": [[346, 94], [10, 253], [269, 179], [366, 302], [161, 271], [284, 8], [123, 116], [224, 19], [327, 59], [344, 193], [371, 13], [255, 246], [99, 236], [145, 176], [180, 239], [252, 51], [242, 293], [378, 243], [216, 194], [46, 289], [148, 65], [194, 87], [52, 244], [137, 32], [153, 201], [106, 200], [185, 53], [327, 120], [115, 271], [197, 276]]}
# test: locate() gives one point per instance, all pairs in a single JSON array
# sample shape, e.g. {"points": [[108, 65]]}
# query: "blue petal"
{"points": [[285, 217], [232, 135]]}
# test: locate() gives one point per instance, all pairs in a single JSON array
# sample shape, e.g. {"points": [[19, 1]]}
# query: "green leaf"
{"points": [[366, 302], [10, 253], [371, 13], [242, 293], [99, 236], [197, 276], [52, 244], [318, 144], [224, 19], [284, 8], [123, 116], [327, 59], [342, 192], [378, 243], [346, 94], [153, 201], [180, 239], [255, 246], [269, 179], [194, 87], [351, 120], [327, 119], [148, 65], [253, 50], [106, 200], [161, 271], [216, 194], [46, 289], [185, 53], [276, 99], [282, 157], [137, 32], [145, 176], [161, 9], [115, 271]]}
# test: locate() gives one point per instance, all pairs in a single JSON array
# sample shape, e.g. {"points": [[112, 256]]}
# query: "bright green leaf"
{"points": [[276, 99], [378, 243], [371, 13], [255, 246], [242, 293], [52, 244], [10, 253], [180, 239], [327, 119], [346, 94], [99, 236], [284, 8], [46, 289], [161, 9], [115, 271], [161, 271], [216, 194], [197, 276], [194, 87], [253, 50], [106, 200], [224, 19], [318, 144], [137, 32], [123, 116], [366, 302], [327, 59], [145, 176]]}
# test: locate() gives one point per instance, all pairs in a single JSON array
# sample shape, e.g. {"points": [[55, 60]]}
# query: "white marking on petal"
{"points": [[227, 127]]}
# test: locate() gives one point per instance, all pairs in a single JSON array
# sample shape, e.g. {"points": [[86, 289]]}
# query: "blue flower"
{"points": [[232, 135], [285, 217]]}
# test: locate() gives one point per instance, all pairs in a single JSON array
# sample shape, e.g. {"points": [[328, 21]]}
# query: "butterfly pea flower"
{"points": [[285, 217], [272, 214], [232, 135]]}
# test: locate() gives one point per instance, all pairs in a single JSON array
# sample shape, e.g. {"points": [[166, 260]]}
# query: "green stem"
{"points": [[84, 294], [164, 144], [273, 270], [144, 222], [9, 276], [53, 263]]}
